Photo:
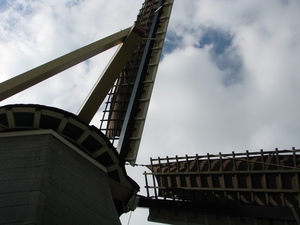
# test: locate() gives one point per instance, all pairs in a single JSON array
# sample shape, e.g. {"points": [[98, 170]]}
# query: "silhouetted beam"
{"points": [[252, 211], [110, 74], [23, 81]]}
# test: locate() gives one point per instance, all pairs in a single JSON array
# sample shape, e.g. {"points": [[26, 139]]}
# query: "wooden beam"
{"points": [[110, 74], [23, 81]]}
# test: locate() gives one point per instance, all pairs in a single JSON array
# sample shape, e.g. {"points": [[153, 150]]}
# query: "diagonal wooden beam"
{"points": [[23, 81], [110, 74]]}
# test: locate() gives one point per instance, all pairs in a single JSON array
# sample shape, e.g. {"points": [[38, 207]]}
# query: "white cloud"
{"points": [[51, 30], [192, 111]]}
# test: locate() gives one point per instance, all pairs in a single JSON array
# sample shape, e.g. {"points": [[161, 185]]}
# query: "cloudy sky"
{"points": [[228, 80]]}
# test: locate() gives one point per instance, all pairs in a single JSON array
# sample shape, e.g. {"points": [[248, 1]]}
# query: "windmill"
{"points": [[72, 167], [56, 167]]}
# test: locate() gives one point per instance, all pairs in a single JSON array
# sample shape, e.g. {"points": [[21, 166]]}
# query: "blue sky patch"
{"points": [[220, 40], [73, 3], [23, 9], [172, 41], [4, 5], [224, 55], [231, 65]]}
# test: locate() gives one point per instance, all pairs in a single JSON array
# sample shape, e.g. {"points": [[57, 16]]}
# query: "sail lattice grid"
{"points": [[265, 181], [127, 103], [119, 95]]}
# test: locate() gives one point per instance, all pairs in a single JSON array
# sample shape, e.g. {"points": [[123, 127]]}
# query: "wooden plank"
{"points": [[19, 163], [56, 213], [50, 219], [20, 142], [76, 187], [18, 152], [14, 199], [9, 215], [16, 186], [69, 155], [49, 69], [78, 205], [66, 159], [18, 173]]}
